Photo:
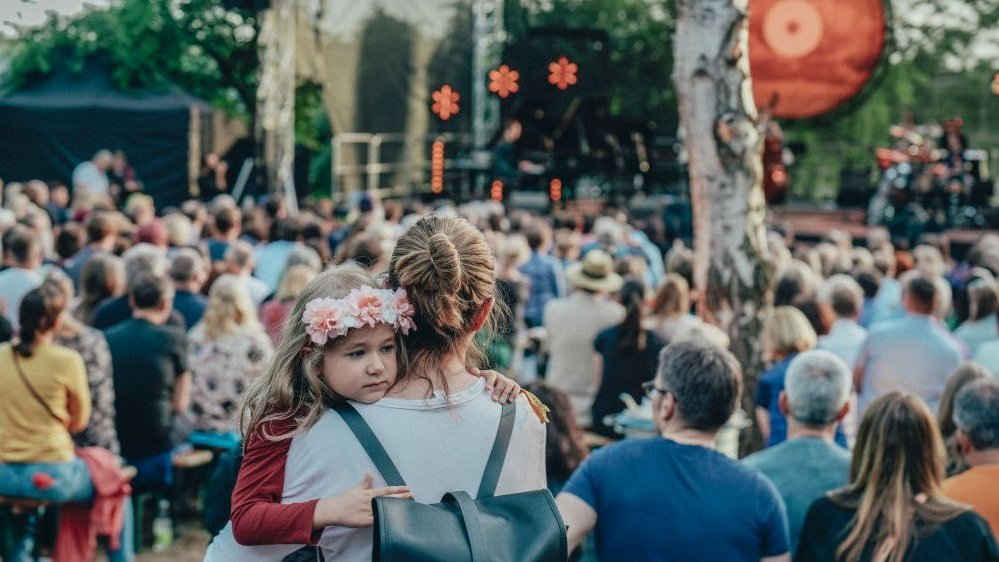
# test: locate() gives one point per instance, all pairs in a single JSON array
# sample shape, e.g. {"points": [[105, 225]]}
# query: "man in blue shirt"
{"points": [[913, 354], [673, 497], [808, 464], [545, 273]]}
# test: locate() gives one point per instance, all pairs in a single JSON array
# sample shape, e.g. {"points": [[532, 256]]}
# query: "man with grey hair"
{"points": [[140, 260], [189, 271], [846, 299], [976, 413], [239, 261], [809, 463], [674, 498]]}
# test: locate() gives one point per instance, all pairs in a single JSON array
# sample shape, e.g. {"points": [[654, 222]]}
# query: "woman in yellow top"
{"points": [[45, 398]]}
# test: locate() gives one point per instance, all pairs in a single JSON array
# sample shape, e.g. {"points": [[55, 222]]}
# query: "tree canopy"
{"points": [[200, 45]]}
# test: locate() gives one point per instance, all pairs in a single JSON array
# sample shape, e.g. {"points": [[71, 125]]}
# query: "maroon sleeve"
{"points": [[258, 516]]}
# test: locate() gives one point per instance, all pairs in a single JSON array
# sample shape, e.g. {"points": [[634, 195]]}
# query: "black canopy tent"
{"points": [[49, 127]]}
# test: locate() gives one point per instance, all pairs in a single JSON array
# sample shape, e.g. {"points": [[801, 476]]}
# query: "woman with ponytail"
{"points": [[626, 357], [45, 398]]}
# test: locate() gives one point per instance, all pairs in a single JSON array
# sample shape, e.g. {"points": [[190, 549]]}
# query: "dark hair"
{"points": [[286, 229], [565, 448], [226, 218], [69, 240], [96, 283], [536, 234], [705, 380], [100, 226], [40, 308], [819, 314], [923, 291], [632, 336], [149, 291], [20, 243], [787, 291], [869, 280], [367, 252]]}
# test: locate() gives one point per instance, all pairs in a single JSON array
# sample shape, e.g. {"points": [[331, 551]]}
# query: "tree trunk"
{"points": [[724, 148], [276, 96]]}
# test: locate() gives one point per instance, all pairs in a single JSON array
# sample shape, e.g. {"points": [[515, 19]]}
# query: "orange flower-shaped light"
{"points": [[562, 73], [995, 84], [445, 102], [503, 81]]}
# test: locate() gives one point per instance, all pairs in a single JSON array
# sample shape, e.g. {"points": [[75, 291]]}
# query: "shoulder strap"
{"points": [[373, 447], [362, 431], [496, 457], [31, 389]]}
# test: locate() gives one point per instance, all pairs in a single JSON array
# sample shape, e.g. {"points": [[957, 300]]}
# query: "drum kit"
{"points": [[929, 180]]}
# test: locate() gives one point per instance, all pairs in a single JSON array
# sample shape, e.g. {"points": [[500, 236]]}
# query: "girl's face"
{"points": [[362, 366]]}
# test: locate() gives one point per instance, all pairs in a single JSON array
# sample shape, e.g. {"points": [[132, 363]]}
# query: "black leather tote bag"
{"points": [[522, 527]]}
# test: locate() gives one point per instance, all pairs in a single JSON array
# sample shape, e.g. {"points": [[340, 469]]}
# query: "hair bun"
{"points": [[446, 261]]}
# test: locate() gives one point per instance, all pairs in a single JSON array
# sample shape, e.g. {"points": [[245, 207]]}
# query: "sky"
{"points": [[30, 13]]}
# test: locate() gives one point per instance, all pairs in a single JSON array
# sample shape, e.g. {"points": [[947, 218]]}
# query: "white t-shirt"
{"points": [[89, 177], [437, 445], [15, 282]]}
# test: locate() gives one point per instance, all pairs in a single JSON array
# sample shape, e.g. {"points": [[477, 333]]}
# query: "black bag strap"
{"points": [[372, 446], [473, 524], [490, 477], [31, 389]]}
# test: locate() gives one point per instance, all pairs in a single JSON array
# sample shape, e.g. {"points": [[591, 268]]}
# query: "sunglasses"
{"points": [[650, 387]]}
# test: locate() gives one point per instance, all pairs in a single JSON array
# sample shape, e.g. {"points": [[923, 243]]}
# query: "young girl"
{"points": [[340, 341]]}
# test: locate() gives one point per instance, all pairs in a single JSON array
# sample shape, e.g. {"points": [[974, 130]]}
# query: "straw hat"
{"points": [[595, 272]]}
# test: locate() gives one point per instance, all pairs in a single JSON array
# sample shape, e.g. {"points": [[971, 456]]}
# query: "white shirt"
{"points": [[988, 356], [437, 448], [15, 282], [571, 326], [258, 289], [844, 340], [88, 176], [974, 333]]}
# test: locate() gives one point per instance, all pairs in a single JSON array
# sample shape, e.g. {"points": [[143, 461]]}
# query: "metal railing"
{"points": [[406, 176]]}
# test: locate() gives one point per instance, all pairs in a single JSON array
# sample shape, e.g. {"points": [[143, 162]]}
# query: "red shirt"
{"points": [[258, 516]]}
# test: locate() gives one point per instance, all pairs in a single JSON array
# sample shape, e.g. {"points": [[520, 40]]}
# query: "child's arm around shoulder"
{"points": [[258, 516]]}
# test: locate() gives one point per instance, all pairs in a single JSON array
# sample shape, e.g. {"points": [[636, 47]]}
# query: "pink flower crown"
{"points": [[327, 318]]}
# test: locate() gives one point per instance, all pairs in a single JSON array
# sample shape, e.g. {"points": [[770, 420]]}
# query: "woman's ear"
{"points": [[482, 315]]}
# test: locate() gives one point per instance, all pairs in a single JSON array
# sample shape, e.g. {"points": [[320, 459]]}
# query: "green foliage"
{"points": [[198, 45]]}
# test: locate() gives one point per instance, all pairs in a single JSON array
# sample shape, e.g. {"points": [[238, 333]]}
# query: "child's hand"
{"points": [[353, 507], [504, 389]]}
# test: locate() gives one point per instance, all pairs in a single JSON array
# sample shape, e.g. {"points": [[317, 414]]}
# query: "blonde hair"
{"points": [[895, 477], [229, 308], [293, 281], [448, 272], [673, 297], [292, 387], [788, 331]]}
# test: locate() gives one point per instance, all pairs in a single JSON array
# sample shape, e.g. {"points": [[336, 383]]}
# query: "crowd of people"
{"points": [[135, 332]]}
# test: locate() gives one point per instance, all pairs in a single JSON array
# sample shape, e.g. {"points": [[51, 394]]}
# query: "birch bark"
{"points": [[724, 147]]}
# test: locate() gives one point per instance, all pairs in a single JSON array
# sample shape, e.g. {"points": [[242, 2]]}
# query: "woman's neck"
{"points": [[43, 338], [450, 374]]}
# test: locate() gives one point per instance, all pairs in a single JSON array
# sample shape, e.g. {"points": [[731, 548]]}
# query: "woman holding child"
{"points": [[404, 356]]}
